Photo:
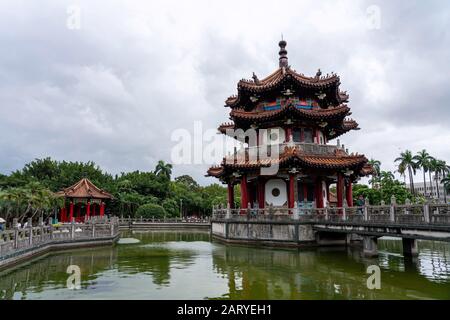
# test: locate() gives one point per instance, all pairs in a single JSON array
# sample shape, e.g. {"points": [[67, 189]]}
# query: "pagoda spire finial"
{"points": [[283, 53]]}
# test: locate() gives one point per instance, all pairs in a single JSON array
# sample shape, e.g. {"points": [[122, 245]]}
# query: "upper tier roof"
{"points": [[285, 75]]}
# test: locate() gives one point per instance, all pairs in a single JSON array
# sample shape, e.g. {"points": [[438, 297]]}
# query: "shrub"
{"points": [[149, 210]]}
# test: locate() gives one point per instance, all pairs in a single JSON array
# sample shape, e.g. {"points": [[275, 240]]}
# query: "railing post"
{"points": [[228, 214], [426, 212], [295, 213], [344, 211], [366, 209], [392, 209], [382, 203], [326, 211], [407, 206], [111, 226], [93, 229], [41, 228], [72, 229], [30, 235], [16, 232], [248, 210]]}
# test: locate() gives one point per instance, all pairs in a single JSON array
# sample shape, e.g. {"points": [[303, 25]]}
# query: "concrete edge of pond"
{"points": [[34, 252]]}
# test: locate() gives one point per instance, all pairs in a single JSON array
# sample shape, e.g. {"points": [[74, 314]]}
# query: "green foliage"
{"points": [[388, 187], [150, 210]]}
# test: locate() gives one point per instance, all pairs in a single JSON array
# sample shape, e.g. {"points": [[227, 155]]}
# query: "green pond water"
{"points": [[188, 265]]}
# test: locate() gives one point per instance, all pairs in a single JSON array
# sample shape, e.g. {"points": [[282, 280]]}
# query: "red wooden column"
{"points": [[291, 190], [261, 191], [288, 132], [71, 211], [88, 210], [231, 194], [340, 190], [349, 194], [244, 192], [319, 193], [102, 209]]}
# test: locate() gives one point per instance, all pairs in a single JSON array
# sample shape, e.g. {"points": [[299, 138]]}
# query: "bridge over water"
{"points": [[334, 225]]}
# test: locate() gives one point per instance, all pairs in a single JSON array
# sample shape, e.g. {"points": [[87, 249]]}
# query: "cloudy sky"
{"points": [[111, 81]]}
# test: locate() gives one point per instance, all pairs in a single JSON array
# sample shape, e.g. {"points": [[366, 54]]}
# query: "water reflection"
{"points": [[187, 265]]}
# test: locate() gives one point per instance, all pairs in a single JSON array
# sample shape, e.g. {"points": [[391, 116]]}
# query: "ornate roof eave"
{"points": [[279, 78], [337, 113], [338, 161], [84, 189]]}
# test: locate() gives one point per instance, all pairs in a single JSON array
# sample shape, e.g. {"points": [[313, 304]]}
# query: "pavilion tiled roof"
{"points": [[313, 114], [284, 74], [84, 189], [338, 160]]}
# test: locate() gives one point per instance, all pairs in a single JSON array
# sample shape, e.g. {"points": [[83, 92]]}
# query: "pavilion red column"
{"points": [[349, 194], [71, 211], [319, 193], [291, 190], [88, 210], [261, 197], [231, 194], [288, 132], [102, 209], [340, 190], [244, 192]]}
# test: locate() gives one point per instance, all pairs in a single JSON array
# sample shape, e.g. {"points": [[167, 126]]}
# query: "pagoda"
{"points": [[294, 118]]}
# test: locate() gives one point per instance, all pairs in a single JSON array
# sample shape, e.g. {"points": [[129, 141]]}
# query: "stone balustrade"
{"points": [[14, 242]]}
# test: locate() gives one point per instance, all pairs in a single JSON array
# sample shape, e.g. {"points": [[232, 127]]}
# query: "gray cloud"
{"points": [[115, 90]]}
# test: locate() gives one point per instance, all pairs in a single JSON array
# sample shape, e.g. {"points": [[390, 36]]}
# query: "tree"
{"points": [[376, 165], [164, 169], [423, 159], [446, 182], [150, 210], [406, 161], [440, 168]]}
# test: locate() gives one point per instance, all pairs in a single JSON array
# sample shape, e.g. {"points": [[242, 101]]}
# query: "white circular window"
{"points": [[275, 192]]}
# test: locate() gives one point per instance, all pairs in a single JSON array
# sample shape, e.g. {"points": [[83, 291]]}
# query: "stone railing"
{"points": [[410, 214], [17, 240], [274, 150]]}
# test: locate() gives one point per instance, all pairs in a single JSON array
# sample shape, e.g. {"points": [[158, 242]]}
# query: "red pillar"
{"points": [[231, 194], [349, 194], [319, 193], [88, 210], [244, 192], [261, 196], [291, 190], [71, 211], [340, 190], [102, 209], [288, 132]]}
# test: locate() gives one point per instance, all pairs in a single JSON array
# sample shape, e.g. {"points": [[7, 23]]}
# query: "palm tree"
{"points": [[401, 169], [422, 159], [376, 165], [440, 168], [431, 165], [163, 168], [446, 182], [406, 161]]}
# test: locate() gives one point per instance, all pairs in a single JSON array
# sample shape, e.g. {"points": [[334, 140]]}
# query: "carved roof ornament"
{"points": [[318, 74], [255, 78]]}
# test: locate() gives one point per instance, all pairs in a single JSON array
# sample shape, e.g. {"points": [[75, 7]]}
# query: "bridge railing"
{"points": [[410, 214], [19, 239]]}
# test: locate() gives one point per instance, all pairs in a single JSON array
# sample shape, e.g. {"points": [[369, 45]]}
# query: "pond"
{"points": [[188, 265]]}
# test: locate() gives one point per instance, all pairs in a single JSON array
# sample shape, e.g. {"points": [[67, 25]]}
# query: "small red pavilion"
{"points": [[85, 201]]}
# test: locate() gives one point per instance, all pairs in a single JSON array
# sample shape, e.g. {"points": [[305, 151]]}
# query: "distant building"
{"points": [[431, 191]]}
